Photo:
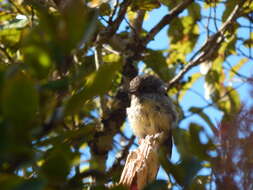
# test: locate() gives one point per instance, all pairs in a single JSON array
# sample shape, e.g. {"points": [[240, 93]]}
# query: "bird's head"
{"points": [[147, 84]]}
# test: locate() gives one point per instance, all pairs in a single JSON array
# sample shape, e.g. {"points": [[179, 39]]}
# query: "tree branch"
{"points": [[166, 20], [113, 27], [209, 48]]}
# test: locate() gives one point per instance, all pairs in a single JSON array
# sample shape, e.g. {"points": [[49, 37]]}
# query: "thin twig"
{"points": [[215, 15], [208, 23]]}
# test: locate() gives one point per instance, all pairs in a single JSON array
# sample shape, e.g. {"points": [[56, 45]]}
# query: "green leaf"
{"points": [[11, 30], [194, 11], [61, 33], [20, 99], [229, 101], [57, 85], [183, 33], [169, 3], [146, 5], [176, 29], [9, 182], [80, 23], [10, 36], [157, 62], [157, 185], [15, 24], [12, 182], [57, 165], [83, 134], [182, 141], [234, 99], [204, 116], [188, 143], [183, 172], [199, 149], [188, 85], [39, 60], [97, 83], [190, 167], [34, 184], [237, 67]]}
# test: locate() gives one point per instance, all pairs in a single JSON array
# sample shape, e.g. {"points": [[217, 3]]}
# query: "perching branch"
{"points": [[142, 164]]}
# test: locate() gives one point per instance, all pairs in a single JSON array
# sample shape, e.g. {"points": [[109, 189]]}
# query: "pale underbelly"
{"points": [[148, 120]]}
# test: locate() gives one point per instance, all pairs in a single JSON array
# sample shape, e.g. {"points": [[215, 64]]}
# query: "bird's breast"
{"points": [[147, 117]]}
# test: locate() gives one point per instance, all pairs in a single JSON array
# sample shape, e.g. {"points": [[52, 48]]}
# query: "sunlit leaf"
{"points": [[183, 33], [229, 100], [146, 5], [169, 3], [10, 36], [110, 58], [234, 98], [39, 60], [189, 85], [162, 69], [234, 70]]}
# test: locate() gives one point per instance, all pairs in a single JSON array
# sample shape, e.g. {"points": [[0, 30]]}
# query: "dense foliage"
{"points": [[65, 67]]}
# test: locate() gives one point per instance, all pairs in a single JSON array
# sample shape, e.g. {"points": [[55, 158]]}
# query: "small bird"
{"points": [[151, 111]]}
